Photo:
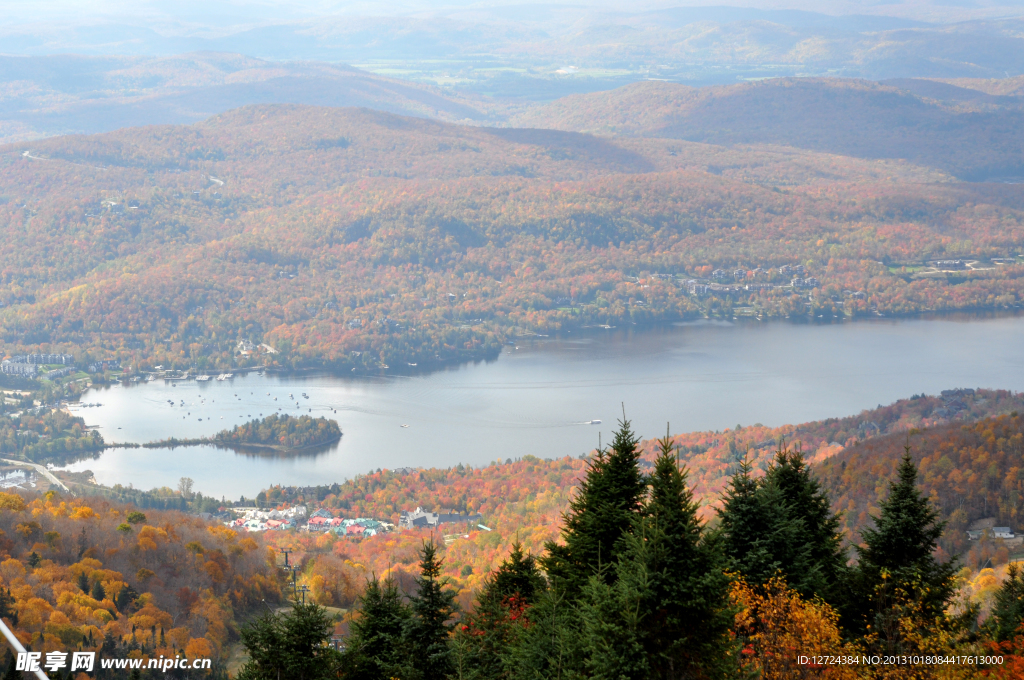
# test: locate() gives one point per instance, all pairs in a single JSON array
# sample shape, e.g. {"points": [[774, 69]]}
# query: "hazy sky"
{"points": [[202, 13]]}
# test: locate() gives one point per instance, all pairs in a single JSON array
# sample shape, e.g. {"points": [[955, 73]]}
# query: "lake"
{"points": [[539, 396]]}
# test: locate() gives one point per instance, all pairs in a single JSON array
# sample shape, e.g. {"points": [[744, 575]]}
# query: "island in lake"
{"points": [[277, 432]]}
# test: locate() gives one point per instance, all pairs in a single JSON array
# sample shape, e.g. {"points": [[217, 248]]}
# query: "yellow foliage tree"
{"points": [[12, 502], [906, 632], [779, 628]]}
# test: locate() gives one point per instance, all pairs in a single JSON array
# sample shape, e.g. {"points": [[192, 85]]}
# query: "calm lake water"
{"points": [[538, 397]]}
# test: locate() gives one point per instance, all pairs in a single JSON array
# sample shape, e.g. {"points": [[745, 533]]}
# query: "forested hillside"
{"points": [[970, 472], [353, 239], [714, 456], [971, 137], [99, 576]]}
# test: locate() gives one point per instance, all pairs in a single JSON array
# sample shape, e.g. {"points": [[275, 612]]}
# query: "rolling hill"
{"points": [[45, 96], [349, 238], [847, 117]]}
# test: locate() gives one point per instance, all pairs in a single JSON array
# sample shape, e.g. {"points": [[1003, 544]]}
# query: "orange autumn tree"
{"points": [[778, 627]]}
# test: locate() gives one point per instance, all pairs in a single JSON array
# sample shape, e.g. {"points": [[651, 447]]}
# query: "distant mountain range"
{"points": [[534, 52], [54, 95], [970, 128], [971, 133]]}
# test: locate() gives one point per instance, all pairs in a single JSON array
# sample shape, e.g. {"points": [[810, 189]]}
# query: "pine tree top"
{"points": [[907, 529], [518, 575], [600, 514]]}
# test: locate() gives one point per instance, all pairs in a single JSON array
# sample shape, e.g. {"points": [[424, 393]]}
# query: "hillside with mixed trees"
{"points": [[637, 585], [88, 574], [350, 239]]}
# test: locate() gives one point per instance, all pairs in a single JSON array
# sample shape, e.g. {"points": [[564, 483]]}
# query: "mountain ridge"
{"points": [[847, 117]]}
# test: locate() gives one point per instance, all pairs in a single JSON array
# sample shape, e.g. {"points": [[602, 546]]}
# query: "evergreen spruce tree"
{"points": [[12, 673], [554, 645], [760, 535], [687, 631], [1008, 608], [433, 609], [613, 616], [819, 527], [292, 646], [518, 576], [376, 650], [98, 592], [671, 593], [600, 515], [125, 598], [898, 553], [7, 608], [502, 609]]}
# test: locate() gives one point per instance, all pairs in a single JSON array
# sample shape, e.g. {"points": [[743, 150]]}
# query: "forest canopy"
{"points": [[282, 431], [348, 239]]}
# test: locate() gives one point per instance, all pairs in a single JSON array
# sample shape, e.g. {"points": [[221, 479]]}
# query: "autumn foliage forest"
{"points": [[87, 574], [350, 239]]}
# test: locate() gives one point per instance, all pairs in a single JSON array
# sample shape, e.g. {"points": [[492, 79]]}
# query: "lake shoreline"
{"points": [[974, 313], [971, 314], [698, 375]]}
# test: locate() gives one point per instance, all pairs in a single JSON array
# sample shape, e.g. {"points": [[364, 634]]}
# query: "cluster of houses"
{"points": [[952, 403], [44, 359], [13, 368], [797, 272], [322, 520], [101, 366], [247, 347], [256, 519]]}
